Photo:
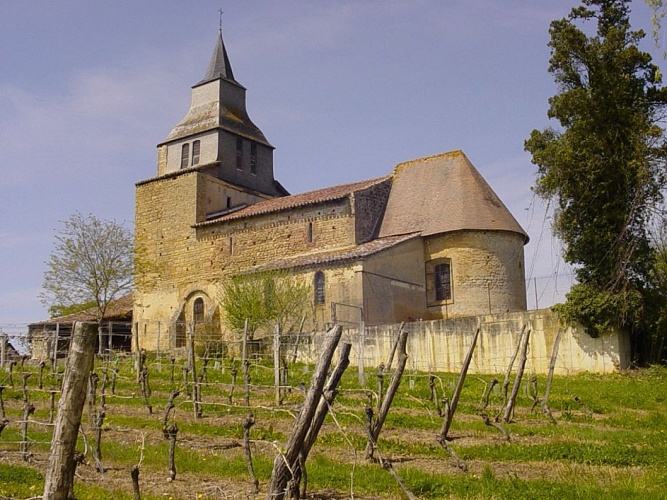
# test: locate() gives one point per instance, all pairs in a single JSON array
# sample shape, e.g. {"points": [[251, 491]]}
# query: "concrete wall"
{"points": [[441, 345]]}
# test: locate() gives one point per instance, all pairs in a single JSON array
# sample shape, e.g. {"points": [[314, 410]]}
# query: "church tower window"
{"points": [[320, 295], [185, 155], [253, 158], [239, 153], [196, 146]]}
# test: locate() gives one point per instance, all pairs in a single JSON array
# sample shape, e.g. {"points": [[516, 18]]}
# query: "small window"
{"points": [[185, 155], [309, 233], [198, 310], [195, 152], [229, 202], [443, 282], [239, 153], [253, 158], [319, 288], [439, 287]]}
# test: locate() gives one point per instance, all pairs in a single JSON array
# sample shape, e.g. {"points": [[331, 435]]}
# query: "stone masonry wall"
{"points": [[186, 262], [487, 272]]}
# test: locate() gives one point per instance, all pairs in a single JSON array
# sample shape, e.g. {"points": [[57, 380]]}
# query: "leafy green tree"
{"points": [[92, 262], [58, 310], [605, 166], [264, 299]]}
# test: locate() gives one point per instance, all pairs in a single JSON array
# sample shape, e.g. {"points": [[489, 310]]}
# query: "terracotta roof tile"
{"points": [[337, 255], [297, 200]]}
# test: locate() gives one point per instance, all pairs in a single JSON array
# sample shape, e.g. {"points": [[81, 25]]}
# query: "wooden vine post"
{"points": [[550, 375], [375, 426], [287, 462], [509, 409], [60, 472], [449, 414]]}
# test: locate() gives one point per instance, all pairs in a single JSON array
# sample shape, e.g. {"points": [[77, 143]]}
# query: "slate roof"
{"points": [[218, 114], [336, 255], [218, 66], [444, 193], [120, 309], [297, 200]]}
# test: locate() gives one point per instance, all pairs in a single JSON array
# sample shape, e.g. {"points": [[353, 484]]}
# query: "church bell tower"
{"points": [[217, 137]]}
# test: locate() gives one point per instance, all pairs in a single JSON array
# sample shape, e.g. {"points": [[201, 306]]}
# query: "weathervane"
{"points": [[221, 13]]}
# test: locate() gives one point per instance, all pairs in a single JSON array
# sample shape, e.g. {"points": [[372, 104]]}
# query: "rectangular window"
{"points": [[185, 155], [253, 158], [239, 153], [195, 152], [443, 282], [439, 286]]}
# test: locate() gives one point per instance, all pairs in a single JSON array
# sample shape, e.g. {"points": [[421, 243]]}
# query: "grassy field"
{"points": [[611, 443]]}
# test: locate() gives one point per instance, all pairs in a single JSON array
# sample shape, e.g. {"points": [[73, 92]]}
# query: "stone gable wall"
{"points": [[190, 262]]}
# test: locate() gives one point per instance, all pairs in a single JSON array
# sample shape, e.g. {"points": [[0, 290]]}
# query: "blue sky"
{"points": [[345, 90]]}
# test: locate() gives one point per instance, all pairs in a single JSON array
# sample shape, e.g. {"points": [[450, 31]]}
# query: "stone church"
{"points": [[429, 240]]}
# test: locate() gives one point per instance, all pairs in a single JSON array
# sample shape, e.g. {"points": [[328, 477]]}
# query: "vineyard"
{"points": [[217, 435]]}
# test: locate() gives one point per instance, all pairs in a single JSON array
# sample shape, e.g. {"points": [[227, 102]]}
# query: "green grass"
{"points": [[621, 445]]}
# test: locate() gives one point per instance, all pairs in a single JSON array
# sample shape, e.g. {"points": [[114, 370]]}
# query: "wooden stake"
{"points": [[552, 365], [449, 415], [507, 417], [284, 464], [389, 396], [60, 472]]}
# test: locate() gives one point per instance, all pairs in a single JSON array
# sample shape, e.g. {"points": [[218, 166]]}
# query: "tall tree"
{"points": [[92, 262], [605, 166]]}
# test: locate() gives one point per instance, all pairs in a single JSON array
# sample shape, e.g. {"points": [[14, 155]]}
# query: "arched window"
{"points": [[196, 146], [198, 310], [320, 296], [185, 155]]}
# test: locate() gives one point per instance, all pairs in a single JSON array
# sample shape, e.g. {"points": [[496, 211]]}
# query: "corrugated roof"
{"points": [[441, 194], [297, 200]]}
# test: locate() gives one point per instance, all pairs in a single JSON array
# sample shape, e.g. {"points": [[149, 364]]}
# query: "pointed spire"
{"points": [[218, 66]]}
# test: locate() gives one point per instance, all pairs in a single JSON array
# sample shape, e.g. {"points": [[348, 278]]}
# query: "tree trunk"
{"points": [[60, 472]]}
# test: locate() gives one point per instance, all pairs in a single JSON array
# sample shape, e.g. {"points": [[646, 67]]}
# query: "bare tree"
{"points": [[92, 261]]}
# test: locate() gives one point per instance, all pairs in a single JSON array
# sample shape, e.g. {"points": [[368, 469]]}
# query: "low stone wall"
{"points": [[441, 345]]}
